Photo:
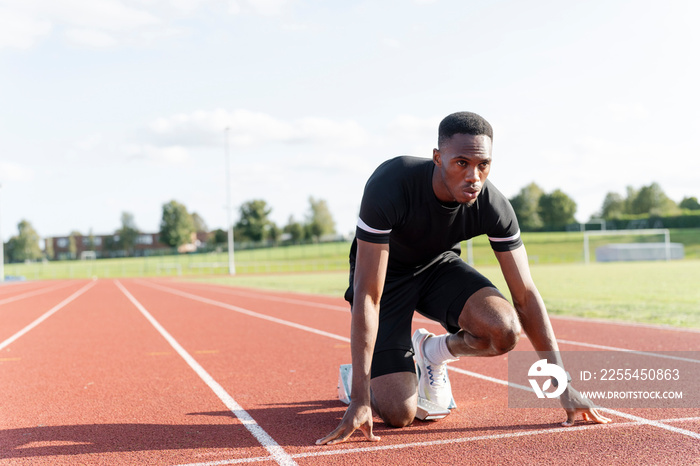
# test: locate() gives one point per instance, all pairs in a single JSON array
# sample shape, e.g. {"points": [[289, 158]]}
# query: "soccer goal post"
{"points": [[648, 231]]}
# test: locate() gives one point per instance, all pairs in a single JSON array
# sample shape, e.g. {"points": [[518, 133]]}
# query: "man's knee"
{"points": [[495, 340], [490, 322], [397, 416], [506, 337], [394, 398]]}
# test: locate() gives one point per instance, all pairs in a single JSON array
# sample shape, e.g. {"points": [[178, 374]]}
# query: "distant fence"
{"points": [[314, 257], [542, 248]]}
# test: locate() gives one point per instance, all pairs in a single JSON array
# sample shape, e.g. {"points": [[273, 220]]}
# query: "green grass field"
{"points": [[649, 292], [663, 293]]}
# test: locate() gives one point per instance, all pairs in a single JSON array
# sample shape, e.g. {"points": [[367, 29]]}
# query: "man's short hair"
{"points": [[463, 123]]}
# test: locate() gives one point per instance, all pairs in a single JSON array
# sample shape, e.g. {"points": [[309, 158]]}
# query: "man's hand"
{"points": [[574, 403], [356, 417]]}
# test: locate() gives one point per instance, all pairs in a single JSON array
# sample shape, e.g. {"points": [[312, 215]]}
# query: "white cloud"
{"points": [[106, 23], [248, 128], [347, 132], [15, 172], [295, 27], [91, 38], [94, 23], [263, 7], [416, 135], [20, 30], [90, 142], [622, 113], [183, 6], [411, 124], [163, 156], [391, 43], [109, 15]]}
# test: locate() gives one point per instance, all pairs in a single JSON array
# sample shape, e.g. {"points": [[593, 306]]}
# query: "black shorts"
{"points": [[437, 291]]}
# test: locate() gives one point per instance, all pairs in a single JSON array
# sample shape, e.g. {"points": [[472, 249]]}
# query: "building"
{"points": [[108, 246]]}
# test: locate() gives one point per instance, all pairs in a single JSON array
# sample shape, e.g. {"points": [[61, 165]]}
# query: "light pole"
{"points": [[2, 247], [231, 264]]}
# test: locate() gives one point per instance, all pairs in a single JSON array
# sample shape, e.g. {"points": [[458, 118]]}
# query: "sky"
{"points": [[112, 106]]}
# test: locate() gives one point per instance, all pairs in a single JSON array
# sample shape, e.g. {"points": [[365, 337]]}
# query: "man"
{"points": [[406, 257]]}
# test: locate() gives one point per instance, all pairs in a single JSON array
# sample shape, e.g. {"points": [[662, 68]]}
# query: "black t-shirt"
{"points": [[399, 207]]}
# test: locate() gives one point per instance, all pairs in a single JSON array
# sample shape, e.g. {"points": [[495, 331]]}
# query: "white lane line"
{"points": [[490, 379], [276, 451], [269, 297], [296, 301], [428, 321], [650, 422], [246, 311], [29, 294], [527, 433], [455, 369], [613, 348], [46, 315], [263, 295], [681, 419], [11, 286], [669, 328]]}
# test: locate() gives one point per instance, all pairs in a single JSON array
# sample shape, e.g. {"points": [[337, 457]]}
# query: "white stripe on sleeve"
{"points": [[505, 240], [363, 226]]}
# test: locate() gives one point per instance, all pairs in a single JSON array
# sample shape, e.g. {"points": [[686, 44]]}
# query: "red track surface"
{"points": [[245, 376]]}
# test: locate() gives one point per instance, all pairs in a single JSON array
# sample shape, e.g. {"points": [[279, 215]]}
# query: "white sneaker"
{"points": [[345, 383], [433, 382]]}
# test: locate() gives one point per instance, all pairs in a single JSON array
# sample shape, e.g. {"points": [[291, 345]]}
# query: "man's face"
{"points": [[461, 167]]}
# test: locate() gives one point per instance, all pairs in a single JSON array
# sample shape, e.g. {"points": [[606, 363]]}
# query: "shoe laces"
{"points": [[437, 375]]}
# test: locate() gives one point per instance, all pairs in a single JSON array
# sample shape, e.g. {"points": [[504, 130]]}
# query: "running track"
{"points": [[174, 373]]}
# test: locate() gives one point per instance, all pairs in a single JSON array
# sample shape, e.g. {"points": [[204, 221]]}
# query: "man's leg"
{"points": [[480, 320], [394, 398], [393, 385], [489, 326]]}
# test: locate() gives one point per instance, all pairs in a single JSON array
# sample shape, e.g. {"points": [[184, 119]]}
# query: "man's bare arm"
{"points": [[538, 328], [370, 271]]}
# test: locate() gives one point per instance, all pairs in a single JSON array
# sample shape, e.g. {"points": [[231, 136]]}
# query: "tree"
{"points": [[690, 203], [73, 243], [128, 233], [91, 240], [25, 245], [648, 200], [199, 223], [254, 222], [613, 206], [48, 249], [526, 207], [176, 226], [110, 244], [631, 196], [294, 229], [219, 236], [274, 232], [652, 200], [556, 210], [320, 220]]}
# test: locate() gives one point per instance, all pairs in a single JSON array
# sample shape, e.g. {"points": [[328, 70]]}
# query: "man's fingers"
{"points": [[570, 418], [336, 436], [340, 439], [599, 418], [587, 415], [367, 430]]}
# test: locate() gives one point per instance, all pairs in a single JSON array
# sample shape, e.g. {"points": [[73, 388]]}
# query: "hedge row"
{"points": [[688, 219]]}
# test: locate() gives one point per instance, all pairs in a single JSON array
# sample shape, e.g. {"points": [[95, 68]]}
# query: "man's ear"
{"points": [[437, 158]]}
